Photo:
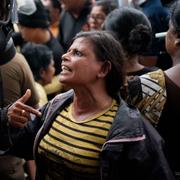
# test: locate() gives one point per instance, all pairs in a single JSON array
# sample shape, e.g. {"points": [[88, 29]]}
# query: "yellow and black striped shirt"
{"points": [[76, 146]]}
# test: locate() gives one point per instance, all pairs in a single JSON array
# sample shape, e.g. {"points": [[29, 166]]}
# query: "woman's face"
{"points": [[68, 5], [80, 66], [170, 40], [96, 18]]}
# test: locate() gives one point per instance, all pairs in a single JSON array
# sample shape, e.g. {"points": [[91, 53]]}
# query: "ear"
{"points": [[105, 68], [42, 73]]}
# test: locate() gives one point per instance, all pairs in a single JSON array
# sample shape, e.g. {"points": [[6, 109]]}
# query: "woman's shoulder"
{"points": [[154, 78], [59, 99], [148, 93]]}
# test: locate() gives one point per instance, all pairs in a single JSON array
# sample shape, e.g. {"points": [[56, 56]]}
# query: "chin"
{"points": [[62, 80]]}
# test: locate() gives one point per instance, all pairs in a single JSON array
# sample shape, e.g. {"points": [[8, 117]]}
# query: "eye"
{"points": [[77, 53]]}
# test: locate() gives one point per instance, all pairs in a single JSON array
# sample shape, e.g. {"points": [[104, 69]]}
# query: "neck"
{"points": [[132, 64], [88, 102]]}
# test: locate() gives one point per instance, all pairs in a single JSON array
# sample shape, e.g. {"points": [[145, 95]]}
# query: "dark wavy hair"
{"points": [[38, 56], [132, 28], [107, 48]]}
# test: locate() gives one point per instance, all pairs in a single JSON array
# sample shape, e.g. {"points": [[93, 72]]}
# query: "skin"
{"points": [[36, 35], [170, 42], [96, 18], [53, 12], [47, 74], [82, 71], [19, 113], [173, 48], [73, 6]]}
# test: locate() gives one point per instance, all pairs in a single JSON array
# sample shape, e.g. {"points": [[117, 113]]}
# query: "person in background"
{"points": [[15, 78], [8, 16], [159, 18], [73, 19], [89, 132], [159, 94], [34, 28], [54, 8], [99, 12], [169, 120], [40, 60], [134, 34]]}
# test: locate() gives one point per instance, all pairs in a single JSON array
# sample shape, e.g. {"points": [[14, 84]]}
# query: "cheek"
{"points": [[51, 72], [169, 44], [88, 72]]}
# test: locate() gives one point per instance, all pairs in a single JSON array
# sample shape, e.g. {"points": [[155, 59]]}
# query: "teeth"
{"points": [[65, 68]]}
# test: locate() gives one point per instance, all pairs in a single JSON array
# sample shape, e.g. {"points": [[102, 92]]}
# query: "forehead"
{"points": [[97, 10], [81, 44]]}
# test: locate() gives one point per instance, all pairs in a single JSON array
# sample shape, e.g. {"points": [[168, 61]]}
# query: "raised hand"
{"points": [[19, 113]]}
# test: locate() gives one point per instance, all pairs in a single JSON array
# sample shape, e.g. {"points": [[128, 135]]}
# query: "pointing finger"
{"points": [[26, 96]]}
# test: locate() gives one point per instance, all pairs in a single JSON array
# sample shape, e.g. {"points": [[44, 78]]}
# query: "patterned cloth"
{"points": [[148, 93]]}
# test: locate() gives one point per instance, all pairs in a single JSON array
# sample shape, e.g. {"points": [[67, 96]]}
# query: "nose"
{"points": [[65, 57]]}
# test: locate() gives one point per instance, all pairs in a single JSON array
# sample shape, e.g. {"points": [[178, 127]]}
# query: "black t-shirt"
{"points": [[142, 71]]}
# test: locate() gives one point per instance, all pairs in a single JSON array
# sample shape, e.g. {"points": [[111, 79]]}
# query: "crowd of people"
{"points": [[84, 90]]}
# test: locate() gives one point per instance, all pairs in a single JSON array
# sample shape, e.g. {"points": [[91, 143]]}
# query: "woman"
{"points": [[160, 93], [133, 30], [89, 132], [99, 12], [169, 123]]}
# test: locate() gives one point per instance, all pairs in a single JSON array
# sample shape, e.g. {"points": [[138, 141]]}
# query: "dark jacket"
{"points": [[133, 149]]}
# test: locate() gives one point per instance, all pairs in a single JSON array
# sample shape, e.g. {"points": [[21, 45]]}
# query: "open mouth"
{"points": [[65, 68]]}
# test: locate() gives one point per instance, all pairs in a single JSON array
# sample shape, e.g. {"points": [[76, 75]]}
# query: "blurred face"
{"points": [[54, 13], [68, 4], [96, 18], [80, 66], [27, 33], [47, 74], [170, 40]]}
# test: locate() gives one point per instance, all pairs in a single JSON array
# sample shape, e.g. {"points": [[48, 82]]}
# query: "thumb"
{"points": [[26, 96]]}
